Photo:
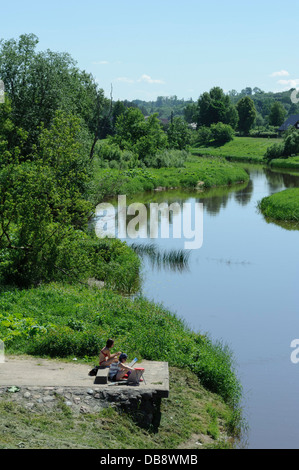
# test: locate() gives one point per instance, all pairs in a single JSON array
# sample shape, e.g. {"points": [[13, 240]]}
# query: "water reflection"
{"points": [[243, 196], [286, 224]]}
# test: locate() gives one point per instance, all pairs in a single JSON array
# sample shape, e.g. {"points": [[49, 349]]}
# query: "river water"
{"points": [[241, 287]]}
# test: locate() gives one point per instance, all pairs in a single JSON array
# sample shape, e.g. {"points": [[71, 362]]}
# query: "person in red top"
{"points": [[106, 358]]}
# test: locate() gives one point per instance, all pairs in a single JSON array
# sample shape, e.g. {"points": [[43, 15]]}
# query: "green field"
{"points": [[241, 148]]}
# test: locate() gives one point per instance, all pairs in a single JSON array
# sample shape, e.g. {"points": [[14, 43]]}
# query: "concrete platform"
{"points": [[30, 371]]}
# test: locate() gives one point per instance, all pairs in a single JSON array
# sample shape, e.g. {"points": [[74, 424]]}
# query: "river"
{"points": [[241, 287]]}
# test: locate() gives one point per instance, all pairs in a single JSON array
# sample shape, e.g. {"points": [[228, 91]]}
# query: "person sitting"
{"points": [[119, 369], [106, 358]]}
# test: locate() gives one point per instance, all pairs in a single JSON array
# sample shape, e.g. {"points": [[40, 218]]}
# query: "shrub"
{"points": [[289, 147], [63, 341], [221, 133], [167, 158], [263, 131], [275, 151], [204, 136], [291, 144], [111, 153]]}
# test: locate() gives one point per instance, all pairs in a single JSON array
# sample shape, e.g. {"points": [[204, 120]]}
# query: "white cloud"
{"points": [[281, 73], [100, 62], [147, 79], [292, 83], [143, 79], [124, 80]]}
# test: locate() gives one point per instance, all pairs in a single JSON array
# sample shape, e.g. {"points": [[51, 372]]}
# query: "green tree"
{"points": [[190, 113], [130, 127], [154, 139], [247, 114], [215, 107], [12, 138], [41, 204], [40, 83], [118, 109], [277, 114], [139, 135], [178, 134]]}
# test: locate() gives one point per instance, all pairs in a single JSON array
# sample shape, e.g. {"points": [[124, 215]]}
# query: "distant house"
{"points": [[291, 121], [164, 121]]}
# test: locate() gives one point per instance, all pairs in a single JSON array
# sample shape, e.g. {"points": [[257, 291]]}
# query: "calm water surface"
{"points": [[242, 288]]}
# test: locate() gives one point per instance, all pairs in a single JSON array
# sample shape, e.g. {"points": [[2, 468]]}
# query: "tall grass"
{"points": [[175, 260]]}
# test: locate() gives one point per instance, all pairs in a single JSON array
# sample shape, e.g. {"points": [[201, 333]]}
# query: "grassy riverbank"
{"points": [[203, 172], [251, 149], [292, 163], [63, 321], [191, 418], [74, 321], [282, 206]]}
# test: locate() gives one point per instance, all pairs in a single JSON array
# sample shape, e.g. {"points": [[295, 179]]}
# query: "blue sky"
{"points": [[151, 48]]}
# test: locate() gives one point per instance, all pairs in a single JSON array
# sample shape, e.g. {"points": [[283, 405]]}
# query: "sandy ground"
{"points": [[31, 371], [23, 370]]}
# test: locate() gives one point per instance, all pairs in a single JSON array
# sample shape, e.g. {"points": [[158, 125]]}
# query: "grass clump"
{"points": [[282, 206]]}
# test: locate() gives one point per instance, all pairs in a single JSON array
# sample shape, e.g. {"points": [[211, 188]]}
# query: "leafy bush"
{"points": [[204, 136], [62, 341], [167, 158], [291, 142], [275, 151], [107, 260], [289, 147], [264, 131], [221, 133], [216, 134], [111, 153]]}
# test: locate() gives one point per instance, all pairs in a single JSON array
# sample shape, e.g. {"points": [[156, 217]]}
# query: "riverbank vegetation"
{"points": [[282, 206], [291, 163], [191, 418], [60, 320], [196, 173], [287, 149]]}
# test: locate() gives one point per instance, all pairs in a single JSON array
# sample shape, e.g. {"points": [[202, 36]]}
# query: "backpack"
{"points": [[93, 371]]}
